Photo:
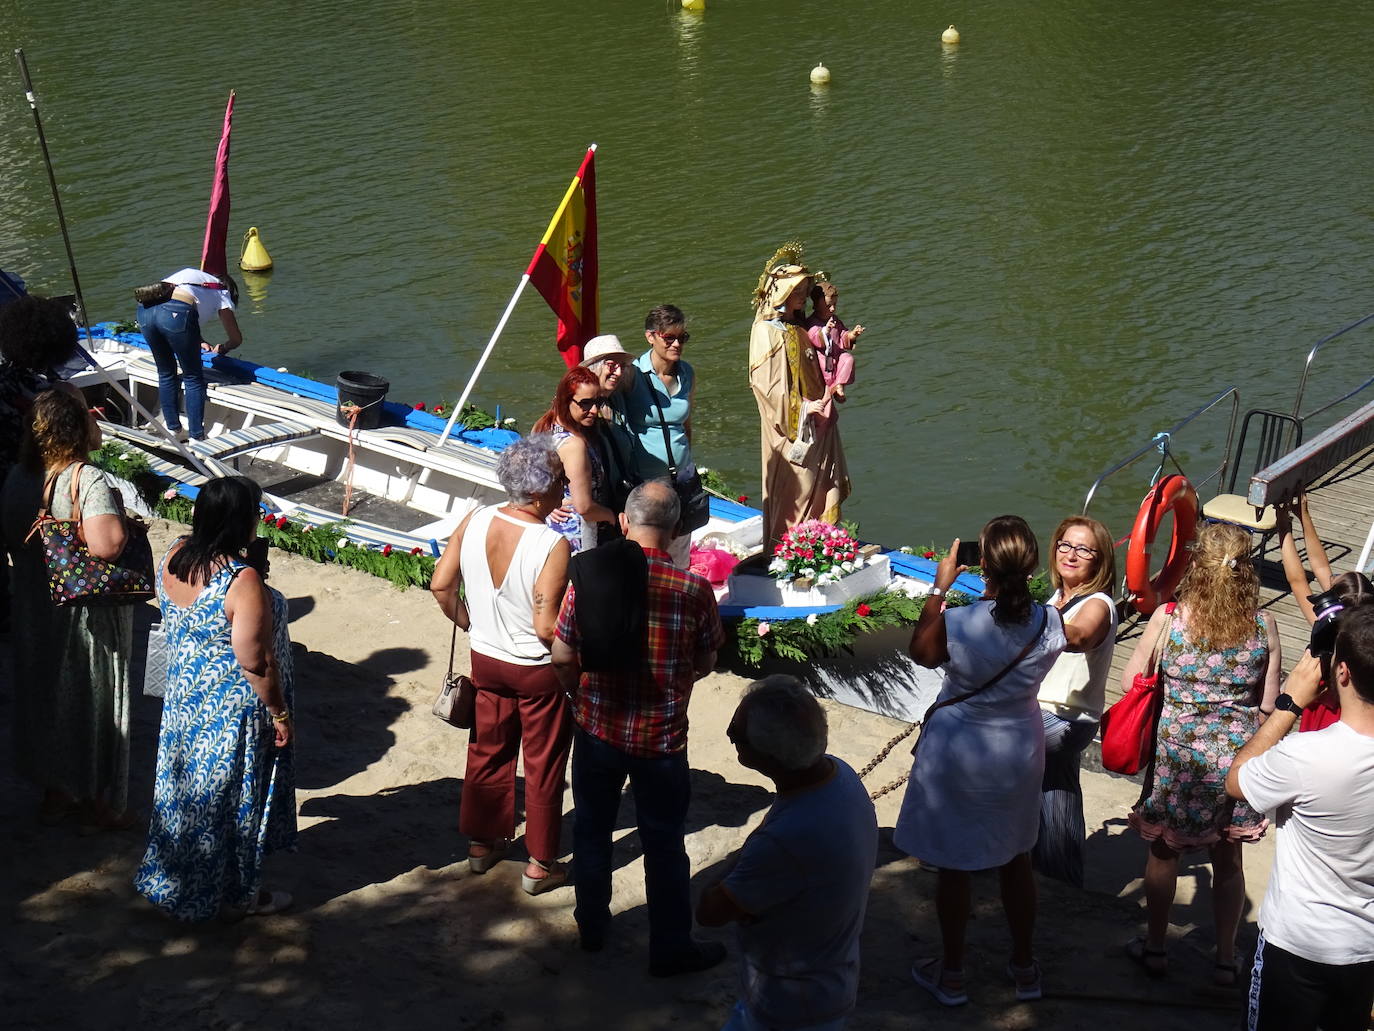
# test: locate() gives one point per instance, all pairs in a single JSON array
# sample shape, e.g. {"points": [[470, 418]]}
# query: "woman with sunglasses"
{"points": [[1074, 691], [574, 421]]}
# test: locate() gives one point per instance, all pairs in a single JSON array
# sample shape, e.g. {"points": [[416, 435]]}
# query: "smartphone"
{"points": [[256, 555], [968, 553]]}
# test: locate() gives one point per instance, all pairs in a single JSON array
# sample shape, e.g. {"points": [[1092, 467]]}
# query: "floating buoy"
{"points": [[254, 256], [820, 74], [950, 35], [694, 5]]}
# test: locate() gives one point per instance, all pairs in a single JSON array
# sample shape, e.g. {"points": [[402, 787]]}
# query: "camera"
{"points": [[1326, 608]]}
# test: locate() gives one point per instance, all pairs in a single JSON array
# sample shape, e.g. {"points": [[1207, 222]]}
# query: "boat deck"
{"points": [[1342, 504]]}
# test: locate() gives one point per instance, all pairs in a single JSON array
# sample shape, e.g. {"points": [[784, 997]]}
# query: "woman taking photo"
{"points": [[961, 815], [1219, 673], [502, 578], [574, 422], [72, 719], [224, 795], [1082, 570]]}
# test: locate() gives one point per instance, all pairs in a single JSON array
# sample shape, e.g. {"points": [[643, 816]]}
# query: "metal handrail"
{"points": [[1307, 365], [1160, 444]]}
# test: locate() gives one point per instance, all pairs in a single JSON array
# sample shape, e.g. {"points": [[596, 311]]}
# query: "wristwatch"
{"points": [[1285, 702]]}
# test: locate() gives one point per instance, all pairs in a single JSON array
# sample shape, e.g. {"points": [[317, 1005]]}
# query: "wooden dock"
{"points": [[1342, 505]]}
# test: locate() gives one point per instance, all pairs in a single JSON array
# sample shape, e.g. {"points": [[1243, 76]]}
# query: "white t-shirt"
{"points": [[1320, 785], [804, 875], [208, 301]]}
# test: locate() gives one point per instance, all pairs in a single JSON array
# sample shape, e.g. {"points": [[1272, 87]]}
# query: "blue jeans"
{"points": [[172, 330], [742, 1020], [662, 789]]}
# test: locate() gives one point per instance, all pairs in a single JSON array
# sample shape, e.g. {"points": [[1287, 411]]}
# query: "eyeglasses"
{"points": [[1081, 550], [680, 338], [587, 404]]}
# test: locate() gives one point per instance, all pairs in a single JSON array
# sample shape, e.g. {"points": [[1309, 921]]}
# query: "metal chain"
{"points": [[883, 754]]}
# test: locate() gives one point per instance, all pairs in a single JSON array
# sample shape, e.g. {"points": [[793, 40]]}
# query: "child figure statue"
{"points": [[831, 339]]}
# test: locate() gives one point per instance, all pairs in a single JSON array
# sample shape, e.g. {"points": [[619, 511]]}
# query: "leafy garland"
{"points": [[471, 417], [328, 543]]}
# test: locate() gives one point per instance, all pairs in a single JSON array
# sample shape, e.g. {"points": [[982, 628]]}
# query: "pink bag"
{"points": [[715, 565]]}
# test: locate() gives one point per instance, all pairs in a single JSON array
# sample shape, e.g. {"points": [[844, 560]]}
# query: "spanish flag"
{"points": [[563, 268]]}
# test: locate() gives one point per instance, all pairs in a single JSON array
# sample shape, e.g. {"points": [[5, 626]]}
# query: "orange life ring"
{"points": [[1172, 493]]}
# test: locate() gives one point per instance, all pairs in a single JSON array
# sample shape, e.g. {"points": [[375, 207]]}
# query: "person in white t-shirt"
{"points": [[1314, 965], [799, 886], [174, 331]]}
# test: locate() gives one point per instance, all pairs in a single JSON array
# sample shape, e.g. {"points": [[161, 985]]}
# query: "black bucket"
{"points": [[367, 392]]}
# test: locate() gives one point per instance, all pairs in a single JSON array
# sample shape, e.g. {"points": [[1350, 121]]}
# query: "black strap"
{"points": [[663, 425], [1064, 611], [1035, 638], [452, 646]]}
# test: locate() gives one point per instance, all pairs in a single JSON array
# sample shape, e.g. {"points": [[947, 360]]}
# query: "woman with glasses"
{"points": [[1082, 570], [658, 407], [574, 421]]}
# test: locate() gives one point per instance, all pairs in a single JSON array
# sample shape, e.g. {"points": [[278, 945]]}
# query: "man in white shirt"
{"points": [[1314, 966]]}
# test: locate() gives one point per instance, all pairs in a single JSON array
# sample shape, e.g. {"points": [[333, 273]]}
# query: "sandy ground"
{"points": [[391, 930]]}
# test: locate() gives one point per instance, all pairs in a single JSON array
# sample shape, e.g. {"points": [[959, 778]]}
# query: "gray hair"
{"points": [[529, 467], [653, 503], [783, 721]]}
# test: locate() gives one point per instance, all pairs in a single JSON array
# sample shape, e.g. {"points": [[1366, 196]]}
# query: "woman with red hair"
{"points": [[574, 420]]}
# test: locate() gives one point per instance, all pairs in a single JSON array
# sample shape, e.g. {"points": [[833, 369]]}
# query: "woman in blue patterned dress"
{"points": [[1219, 671], [574, 420], [224, 795]]}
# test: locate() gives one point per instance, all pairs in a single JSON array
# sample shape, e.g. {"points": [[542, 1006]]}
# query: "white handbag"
{"points": [[801, 447], [1066, 682], [155, 664]]}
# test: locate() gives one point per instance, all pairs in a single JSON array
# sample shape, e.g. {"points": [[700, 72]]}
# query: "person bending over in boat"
{"points": [[800, 482], [1352, 588], [174, 330], [576, 426]]}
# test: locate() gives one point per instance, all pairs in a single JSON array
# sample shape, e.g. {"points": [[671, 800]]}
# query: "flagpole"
{"points": [[472, 382], [76, 282]]}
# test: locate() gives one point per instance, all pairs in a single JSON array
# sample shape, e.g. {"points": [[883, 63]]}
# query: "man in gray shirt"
{"points": [[799, 886]]}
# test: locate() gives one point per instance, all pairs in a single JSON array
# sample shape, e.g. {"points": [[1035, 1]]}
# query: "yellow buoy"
{"points": [[820, 74], [254, 256], [950, 35], [694, 5]]}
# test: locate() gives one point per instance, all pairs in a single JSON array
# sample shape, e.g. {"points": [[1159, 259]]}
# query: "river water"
{"points": [[1064, 234]]}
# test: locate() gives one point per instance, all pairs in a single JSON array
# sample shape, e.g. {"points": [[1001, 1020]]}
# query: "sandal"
{"points": [[1154, 961], [495, 852], [947, 986], [1026, 980], [555, 876]]}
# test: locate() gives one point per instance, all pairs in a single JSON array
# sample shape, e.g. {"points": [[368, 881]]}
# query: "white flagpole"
{"points": [[467, 390]]}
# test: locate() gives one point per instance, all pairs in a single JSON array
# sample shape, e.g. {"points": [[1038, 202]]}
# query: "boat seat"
{"points": [[264, 434], [1236, 508], [1273, 430]]}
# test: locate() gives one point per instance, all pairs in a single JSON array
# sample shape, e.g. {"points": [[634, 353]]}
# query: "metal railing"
{"points": [[1307, 366], [1160, 444]]}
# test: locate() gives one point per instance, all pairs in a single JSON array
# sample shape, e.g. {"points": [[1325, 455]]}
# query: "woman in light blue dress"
{"points": [[224, 795]]}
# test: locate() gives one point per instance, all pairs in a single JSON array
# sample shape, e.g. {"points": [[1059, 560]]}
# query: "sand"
{"points": [[390, 929]]}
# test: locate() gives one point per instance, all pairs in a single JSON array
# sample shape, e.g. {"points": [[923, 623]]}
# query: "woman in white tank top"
{"points": [[512, 570]]}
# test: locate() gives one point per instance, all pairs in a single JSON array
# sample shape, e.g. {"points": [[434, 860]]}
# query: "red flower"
{"points": [[415, 551], [863, 610], [419, 406], [268, 517], [927, 554], [386, 550], [281, 522], [743, 499], [438, 409]]}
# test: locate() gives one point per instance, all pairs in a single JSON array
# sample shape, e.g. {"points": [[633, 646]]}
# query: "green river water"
{"points": [[1064, 234]]}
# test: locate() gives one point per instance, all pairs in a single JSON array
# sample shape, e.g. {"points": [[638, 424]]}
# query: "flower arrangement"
{"points": [[471, 417], [815, 551]]}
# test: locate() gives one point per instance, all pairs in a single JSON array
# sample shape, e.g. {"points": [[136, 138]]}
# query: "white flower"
{"points": [[702, 470], [806, 571], [811, 619], [508, 421], [282, 369], [344, 542], [778, 565]]}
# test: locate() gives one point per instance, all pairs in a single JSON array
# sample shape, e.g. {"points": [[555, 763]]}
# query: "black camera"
{"points": [[1326, 608]]}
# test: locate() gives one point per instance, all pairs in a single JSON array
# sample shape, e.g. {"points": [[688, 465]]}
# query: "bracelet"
{"points": [[280, 717]]}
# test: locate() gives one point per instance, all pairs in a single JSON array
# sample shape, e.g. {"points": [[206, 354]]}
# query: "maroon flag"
{"points": [[212, 254]]}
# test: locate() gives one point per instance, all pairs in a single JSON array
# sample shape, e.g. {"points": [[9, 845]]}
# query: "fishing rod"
{"points": [[81, 318]]}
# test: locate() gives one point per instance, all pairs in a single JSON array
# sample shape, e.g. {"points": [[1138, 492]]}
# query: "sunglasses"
{"points": [[678, 338], [587, 404]]}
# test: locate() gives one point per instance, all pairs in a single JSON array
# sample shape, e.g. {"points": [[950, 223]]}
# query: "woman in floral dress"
{"points": [[574, 420], [224, 795], [1219, 671]]}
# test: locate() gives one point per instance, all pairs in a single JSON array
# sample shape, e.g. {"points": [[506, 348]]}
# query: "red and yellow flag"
{"points": [[563, 268]]}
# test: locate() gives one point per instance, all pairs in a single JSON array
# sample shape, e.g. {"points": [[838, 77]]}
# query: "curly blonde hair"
{"points": [[1220, 588], [59, 432]]}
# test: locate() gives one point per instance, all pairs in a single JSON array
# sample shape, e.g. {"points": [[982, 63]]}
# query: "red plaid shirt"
{"points": [[645, 713]]}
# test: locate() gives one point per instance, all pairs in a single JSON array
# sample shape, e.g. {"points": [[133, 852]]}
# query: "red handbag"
{"points": [[1128, 727]]}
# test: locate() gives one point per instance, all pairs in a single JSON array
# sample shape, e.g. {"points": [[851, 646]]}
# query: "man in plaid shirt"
{"points": [[633, 723]]}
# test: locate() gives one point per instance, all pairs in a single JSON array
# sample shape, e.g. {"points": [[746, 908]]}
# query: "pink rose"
{"points": [[764, 628]]}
